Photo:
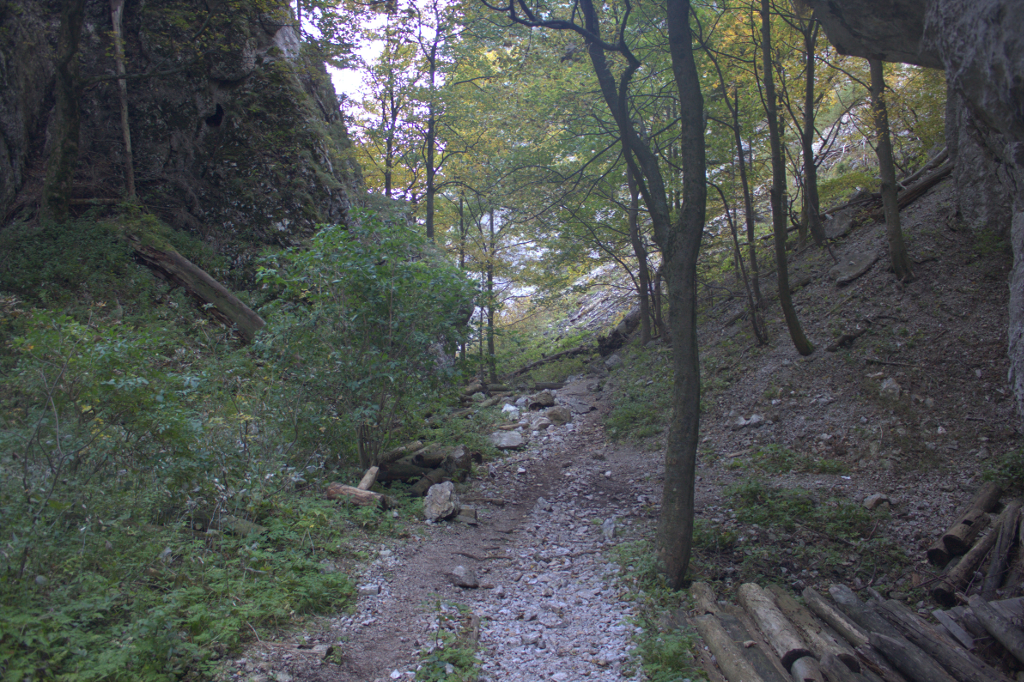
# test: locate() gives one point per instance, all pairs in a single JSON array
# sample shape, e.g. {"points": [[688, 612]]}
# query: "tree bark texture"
{"points": [[116, 14], [901, 264], [778, 189], [810, 34], [729, 656], [643, 274]]}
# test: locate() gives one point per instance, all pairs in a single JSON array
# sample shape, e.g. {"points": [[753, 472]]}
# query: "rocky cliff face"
{"points": [[980, 44], [236, 130]]}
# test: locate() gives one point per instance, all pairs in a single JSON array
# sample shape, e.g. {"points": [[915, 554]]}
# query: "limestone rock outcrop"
{"points": [[237, 134]]}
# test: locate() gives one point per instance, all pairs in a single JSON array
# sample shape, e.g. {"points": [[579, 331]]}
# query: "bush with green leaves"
{"points": [[378, 315]]}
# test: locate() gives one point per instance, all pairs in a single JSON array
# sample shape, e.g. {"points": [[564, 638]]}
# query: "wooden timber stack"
{"points": [[775, 638]]}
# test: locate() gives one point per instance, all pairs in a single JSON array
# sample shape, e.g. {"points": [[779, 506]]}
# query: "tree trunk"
{"points": [[64, 135], [776, 627], [680, 247], [778, 189], [641, 257], [116, 14], [431, 140], [810, 31], [901, 263], [491, 360]]}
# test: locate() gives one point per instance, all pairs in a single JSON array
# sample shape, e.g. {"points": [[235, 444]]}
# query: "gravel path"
{"points": [[548, 602]]}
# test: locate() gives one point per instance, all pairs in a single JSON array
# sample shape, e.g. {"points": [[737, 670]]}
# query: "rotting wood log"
{"points": [[875, 665], [368, 478], [704, 598], [757, 652], [985, 499], [707, 662], [909, 660], [806, 670], [422, 486], [1007, 634], [430, 456], [776, 627], [220, 302], [917, 190], [402, 470], [817, 635], [931, 163], [836, 670], [959, 539], [399, 453], [954, 629], [1001, 552], [945, 590], [365, 498], [962, 665], [729, 656], [835, 619]]}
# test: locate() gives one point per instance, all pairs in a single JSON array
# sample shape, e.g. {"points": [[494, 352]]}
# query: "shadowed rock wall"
{"points": [[239, 139]]}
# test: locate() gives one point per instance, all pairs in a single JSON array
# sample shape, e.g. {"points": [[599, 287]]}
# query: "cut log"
{"points": [[837, 620], [909, 660], [1001, 552], [729, 656], [946, 589], [806, 670], [961, 533], [368, 478], [954, 629], [704, 598], [422, 486], [959, 539], [1007, 634], [864, 614], [707, 662], [221, 303], [836, 670], [875, 665], [962, 665], [402, 470], [818, 636], [400, 452], [916, 191], [430, 456], [1015, 578], [366, 498], [781, 634], [755, 650]]}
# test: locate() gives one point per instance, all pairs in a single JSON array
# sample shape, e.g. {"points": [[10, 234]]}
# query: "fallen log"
{"points": [[817, 636], [571, 353], [961, 664], [984, 500], [839, 622], [863, 614], [946, 589], [1001, 552], [368, 479], [806, 670], [729, 656], [836, 670], [954, 629], [744, 634], [704, 597], [780, 632], [917, 190], [909, 660], [402, 470], [221, 303], [1003, 630], [1015, 577], [875, 665], [435, 476], [399, 452], [365, 498]]}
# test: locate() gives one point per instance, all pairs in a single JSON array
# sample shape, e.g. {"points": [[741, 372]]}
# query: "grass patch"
{"points": [[642, 396], [778, 459], [452, 657]]}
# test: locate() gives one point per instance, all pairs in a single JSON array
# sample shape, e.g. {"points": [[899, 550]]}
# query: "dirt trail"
{"points": [[549, 604]]}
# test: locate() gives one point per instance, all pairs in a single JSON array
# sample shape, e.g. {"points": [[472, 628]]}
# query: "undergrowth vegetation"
{"points": [[159, 488]]}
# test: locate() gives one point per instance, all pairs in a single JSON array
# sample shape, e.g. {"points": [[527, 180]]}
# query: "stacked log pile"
{"points": [[771, 637]]}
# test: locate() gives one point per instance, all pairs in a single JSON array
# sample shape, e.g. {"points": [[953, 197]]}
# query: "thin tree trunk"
{"points": [[641, 257], [680, 247], [116, 15], [807, 139], [430, 142], [63, 156], [803, 346], [756, 324], [901, 264], [462, 259], [491, 362]]}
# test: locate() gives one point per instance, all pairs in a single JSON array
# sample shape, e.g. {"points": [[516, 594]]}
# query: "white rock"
{"points": [[890, 388], [441, 502], [507, 440]]}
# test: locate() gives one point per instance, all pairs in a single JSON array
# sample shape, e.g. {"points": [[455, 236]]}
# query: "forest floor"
{"points": [[914, 410]]}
